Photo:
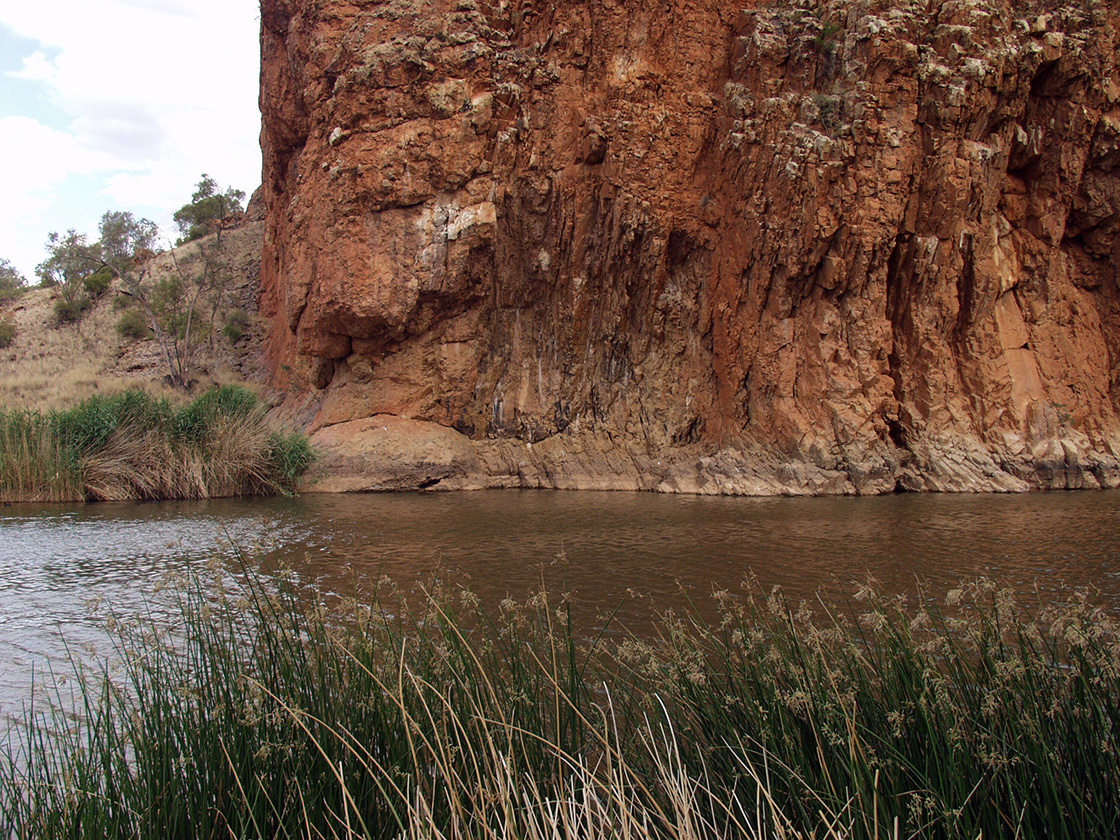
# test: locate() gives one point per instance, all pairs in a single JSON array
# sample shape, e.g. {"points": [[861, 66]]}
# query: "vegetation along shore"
{"points": [[132, 445], [263, 714]]}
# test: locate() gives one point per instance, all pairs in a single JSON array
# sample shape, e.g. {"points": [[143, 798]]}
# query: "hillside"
{"points": [[51, 365]]}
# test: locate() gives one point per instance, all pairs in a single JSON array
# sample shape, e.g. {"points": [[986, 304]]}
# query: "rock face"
{"points": [[846, 246]]}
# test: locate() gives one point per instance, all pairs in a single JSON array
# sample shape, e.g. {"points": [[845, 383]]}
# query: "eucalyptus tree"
{"points": [[71, 258], [181, 295], [209, 211], [12, 282]]}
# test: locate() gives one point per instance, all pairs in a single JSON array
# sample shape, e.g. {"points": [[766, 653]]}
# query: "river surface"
{"points": [[65, 568]]}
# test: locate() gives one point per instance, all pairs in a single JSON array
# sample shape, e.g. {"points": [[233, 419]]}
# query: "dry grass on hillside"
{"points": [[51, 366]]}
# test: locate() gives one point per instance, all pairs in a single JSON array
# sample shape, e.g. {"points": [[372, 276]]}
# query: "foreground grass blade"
{"points": [[264, 715]]}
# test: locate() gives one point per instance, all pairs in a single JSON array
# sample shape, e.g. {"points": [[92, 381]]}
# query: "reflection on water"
{"points": [[62, 568]]}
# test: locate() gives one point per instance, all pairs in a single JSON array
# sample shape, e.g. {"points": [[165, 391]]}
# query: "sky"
{"points": [[121, 105]]}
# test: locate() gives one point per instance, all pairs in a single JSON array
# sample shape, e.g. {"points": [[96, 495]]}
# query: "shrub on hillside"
{"points": [[12, 283], [210, 210], [133, 325], [69, 310], [236, 324], [7, 332], [97, 284], [69, 263]]}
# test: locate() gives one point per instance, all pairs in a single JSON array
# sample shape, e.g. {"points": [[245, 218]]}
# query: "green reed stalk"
{"points": [[266, 715], [979, 719], [134, 446], [33, 467]]}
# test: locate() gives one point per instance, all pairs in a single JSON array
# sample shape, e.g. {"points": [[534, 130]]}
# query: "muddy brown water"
{"points": [[64, 569]]}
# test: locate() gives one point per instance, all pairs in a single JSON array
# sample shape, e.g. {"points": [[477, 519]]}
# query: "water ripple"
{"points": [[63, 568]]}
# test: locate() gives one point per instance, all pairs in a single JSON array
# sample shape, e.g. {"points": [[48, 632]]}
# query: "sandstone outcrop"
{"points": [[846, 246]]}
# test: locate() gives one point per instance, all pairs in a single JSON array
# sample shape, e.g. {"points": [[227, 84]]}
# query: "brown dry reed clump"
{"points": [[134, 446], [267, 716]]}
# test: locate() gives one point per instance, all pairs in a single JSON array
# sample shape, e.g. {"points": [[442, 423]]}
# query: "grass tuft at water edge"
{"points": [[132, 445]]}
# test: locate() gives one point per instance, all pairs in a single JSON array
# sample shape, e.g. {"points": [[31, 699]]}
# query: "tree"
{"points": [[126, 247], [72, 258], [179, 304], [126, 240], [209, 211], [175, 304], [12, 283]]}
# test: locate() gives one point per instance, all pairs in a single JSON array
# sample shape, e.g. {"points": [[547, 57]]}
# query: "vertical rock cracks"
{"points": [[846, 246]]}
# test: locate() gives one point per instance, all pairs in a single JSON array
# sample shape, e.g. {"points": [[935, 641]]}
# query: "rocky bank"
{"points": [[847, 246]]}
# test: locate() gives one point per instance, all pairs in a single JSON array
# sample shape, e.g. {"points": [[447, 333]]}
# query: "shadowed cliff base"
{"points": [[810, 246], [387, 453]]}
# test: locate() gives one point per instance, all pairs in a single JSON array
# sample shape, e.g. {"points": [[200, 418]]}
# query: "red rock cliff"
{"points": [[829, 247]]}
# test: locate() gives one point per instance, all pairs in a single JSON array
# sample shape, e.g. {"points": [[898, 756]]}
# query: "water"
{"points": [[64, 569]]}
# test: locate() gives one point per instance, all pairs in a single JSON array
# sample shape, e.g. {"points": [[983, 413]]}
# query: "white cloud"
{"points": [[152, 92], [127, 131], [35, 162], [171, 7], [25, 141], [36, 68]]}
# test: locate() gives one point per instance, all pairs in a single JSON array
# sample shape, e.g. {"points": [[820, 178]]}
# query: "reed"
{"points": [[134, 446], [266, 715], [974, 718], [32, 466]]}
